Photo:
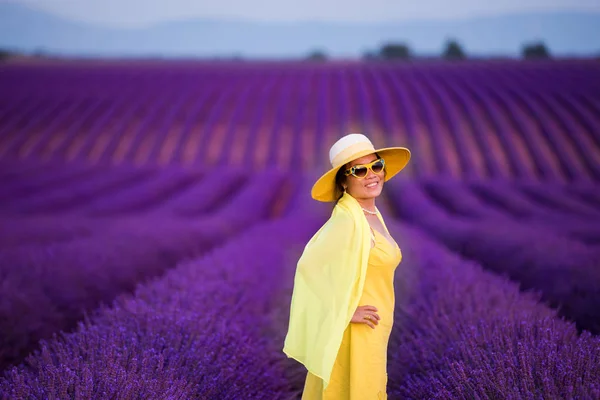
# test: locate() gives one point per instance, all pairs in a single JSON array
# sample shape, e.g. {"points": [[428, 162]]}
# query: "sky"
{"points": [[141, 13]]}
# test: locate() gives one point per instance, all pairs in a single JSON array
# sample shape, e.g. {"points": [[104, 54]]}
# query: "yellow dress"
{"points": [[360, 369]]}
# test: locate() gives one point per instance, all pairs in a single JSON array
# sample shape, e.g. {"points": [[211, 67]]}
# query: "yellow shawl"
{"points": [[328, 284]]}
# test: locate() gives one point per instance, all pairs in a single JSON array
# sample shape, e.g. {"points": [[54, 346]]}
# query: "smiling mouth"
{"points": [[371, 185]]}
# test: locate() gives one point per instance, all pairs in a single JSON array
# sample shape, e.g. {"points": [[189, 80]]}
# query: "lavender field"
{"points": [[153, 213]]}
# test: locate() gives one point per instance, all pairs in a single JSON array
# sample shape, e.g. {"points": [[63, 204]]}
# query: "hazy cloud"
{"points": [[135, 13]]}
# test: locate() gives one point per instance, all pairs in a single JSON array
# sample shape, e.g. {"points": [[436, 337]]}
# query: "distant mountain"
{"points": [[565, 34]]}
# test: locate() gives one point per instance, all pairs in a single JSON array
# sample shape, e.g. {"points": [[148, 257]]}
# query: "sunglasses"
{"points": [[361, 170]]}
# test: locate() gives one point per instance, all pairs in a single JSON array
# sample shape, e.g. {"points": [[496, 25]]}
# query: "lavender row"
{"points": [[36, 183], [58, 282], [13, 170], [554, 199], [587, 193], [18, 231], [463, 333], [198, 198], [498, 200], [564, 270], [46, 289], [199, 332], [125, 191], [505, 198], [140, 196], [68, 196], [205, 195]]}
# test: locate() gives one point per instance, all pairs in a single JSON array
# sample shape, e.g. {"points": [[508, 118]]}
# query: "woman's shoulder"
{"points": [[342, 220]]}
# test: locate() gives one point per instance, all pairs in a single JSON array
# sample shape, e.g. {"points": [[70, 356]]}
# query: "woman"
{"points": [[342, 307]]}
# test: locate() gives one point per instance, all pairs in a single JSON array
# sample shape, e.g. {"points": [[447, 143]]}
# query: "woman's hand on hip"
{"points": [[366, 315]]}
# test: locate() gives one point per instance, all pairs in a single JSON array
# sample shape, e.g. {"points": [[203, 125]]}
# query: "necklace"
{"points": [[370, 212]]}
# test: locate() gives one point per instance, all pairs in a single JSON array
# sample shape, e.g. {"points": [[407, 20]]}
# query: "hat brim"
{"points": [[396, 158]]}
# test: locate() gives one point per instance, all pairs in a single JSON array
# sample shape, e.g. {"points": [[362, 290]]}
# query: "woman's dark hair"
{"points": [[340, 179]]}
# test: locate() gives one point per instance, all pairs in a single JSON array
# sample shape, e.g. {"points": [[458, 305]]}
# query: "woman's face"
{"points": [[368, 187]]}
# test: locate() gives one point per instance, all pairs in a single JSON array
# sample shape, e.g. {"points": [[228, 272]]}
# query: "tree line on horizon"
{"points": [[399, 51], [452, 51]]}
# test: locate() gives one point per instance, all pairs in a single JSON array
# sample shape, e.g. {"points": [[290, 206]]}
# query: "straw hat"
{"points": [[351, 147]]}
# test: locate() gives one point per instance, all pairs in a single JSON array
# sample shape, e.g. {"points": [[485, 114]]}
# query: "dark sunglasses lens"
{"points": [[377, 167], [360, 172]]}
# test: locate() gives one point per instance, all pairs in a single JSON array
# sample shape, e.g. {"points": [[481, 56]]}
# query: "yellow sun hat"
{"points": [[349, 148]]}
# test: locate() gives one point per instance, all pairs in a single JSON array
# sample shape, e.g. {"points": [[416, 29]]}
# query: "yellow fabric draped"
{"points": [[328, 283]]}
